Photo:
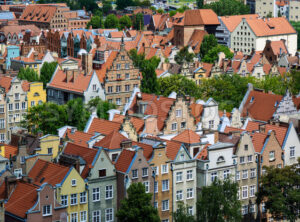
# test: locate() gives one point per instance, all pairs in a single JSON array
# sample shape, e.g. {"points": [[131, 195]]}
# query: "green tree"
{"points": [[160, 11], [121, 4], [111, 21], [138, 22], [294, 83], [279, 189], [28, 74], [182, 214], [228, 7], [137, 206], [101, 107], [107, 7], [47, 71], [212, 55], [77, 113], [209, 42], [172, 13], [200, 4], [145, 3], [125, 22], [269, 15], [179, 84], [219, 202], [184, 56], [296, 26], [276, 84]]}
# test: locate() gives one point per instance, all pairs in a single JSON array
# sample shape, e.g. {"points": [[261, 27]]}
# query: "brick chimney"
{"points": [[87, 63]]}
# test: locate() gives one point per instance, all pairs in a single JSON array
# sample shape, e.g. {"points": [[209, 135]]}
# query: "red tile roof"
{"points": [[188, 136], [258, 140], [200, 17], [78, 137], [101, 72], [202, 155], [172, 149], [196, 39], [88, 154], [5, 82], [148, 149], [22, 199], [112, 140], [38, 13], [137, 123], [278, 46], [196, 111], [103, 126], [51, 172], [231, 22], [229, 129], [124, 160]]}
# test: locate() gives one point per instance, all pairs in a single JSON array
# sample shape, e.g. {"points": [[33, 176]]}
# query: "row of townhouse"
{"points": [[15, 98]]}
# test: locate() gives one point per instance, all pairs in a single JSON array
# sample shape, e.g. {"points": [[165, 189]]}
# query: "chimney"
{"points": [[262, 128], [87, 63], [216, 136], [126, 144], [151, 125], [10, 184]]}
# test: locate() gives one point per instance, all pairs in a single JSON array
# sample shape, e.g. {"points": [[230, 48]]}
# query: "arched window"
{"points": [[220, 159], [36, 94]]}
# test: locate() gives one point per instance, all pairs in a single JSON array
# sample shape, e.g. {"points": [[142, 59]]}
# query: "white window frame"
{"points": [[245, 174], [76, 217], [83, 197], [64, 198], [178, 112], [155, 187], [252, 191], [252, 172], [96, 216], [165, 185], [250, 158], [164, 169], [109, 192], [179, 195], [292, 152], [83, 216], [244, 189], [213, 176], [147, 186], [72, 198], [47, 213], [165, 205], [179, 177], [238, 175], [73, 182], [96, 193], [145, 172], [133, 174], [109, 214], [174, 126], [189, 193], [189, 175]]}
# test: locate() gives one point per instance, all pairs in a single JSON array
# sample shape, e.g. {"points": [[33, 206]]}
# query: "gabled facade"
{"points": [[36, 95], [49, 144]]}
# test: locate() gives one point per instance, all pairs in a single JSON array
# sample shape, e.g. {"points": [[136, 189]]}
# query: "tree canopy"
{"points": [[101, 107], [47, 71], [96, 22], [280, 193], [209, 41], [213, 54], [228, 7], [296, 26], [182, 214], [219, 202], [200, 4], [184, 56], [125, 22], [111, 21], [28, 74], [138, 21], [137, 206]]}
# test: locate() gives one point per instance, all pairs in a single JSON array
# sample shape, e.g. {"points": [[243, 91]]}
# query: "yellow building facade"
{"points": [[73, 190], [49, 144], [36, 94]]}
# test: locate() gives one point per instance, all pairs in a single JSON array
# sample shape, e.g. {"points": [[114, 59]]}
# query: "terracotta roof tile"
{"points": [[38, 13], [278, 47], [202, 155], [221, 113], [124, 160], [200, 17], [229, 129], [44, 171], [102, 72], [78, 137], [9, 150], [5, 82], [196, 39], [196, 111], [258, 140], [22, 199], [187, 136], [88, 154], [103, 126], [111, 141], [261, 101], [231, 22], [172, 149], [148, 149]]}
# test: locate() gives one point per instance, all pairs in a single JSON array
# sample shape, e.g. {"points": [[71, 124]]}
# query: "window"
{"points": [[1, 108], [252, 208], [145, 172], [253, 173], [226, 174], [96, 194], [220, 159], [10, 118], [178, 113], [83, 216], [94, 87], [165, 205], [214, 176], [134, 174], [244, 209], [22, 159], [2, 123], [109, 214], [47, 210], [245, 174], [102, 173], [244, 192], [74, 199], [64, 200], [127, 88], [23, 105], [263, 207], [179, 195], [174, 126], [118, 66], [110, 89], [18, 173], [118, 88], [164, 169], [118, 76], [183, 125], [252, 191], [146, 184], [178, 177], [271, 155], [74, 182], [242, 159], [165, 185], [74, 217], [10, 107], [156, 170], [238, 175], [292, 152], [17, 96], [109, 192], [2, 137], [189, 174], [96, 216], [83, 197], [127, 99], [17, 106], [238, 193], [155, 205], [189, 193], [190, 210], [127, 76], [127, 66], [211, 124], [118, 101], [155, 187], [250, 159]]}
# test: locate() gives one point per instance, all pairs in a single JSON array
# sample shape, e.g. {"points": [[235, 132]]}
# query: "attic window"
{"points": [[276, 104], [252, 98], [271, 26], [220, 159]]}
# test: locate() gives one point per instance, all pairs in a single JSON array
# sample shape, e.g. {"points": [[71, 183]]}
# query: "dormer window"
{"points": [[252, 98], [220, 159]]}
